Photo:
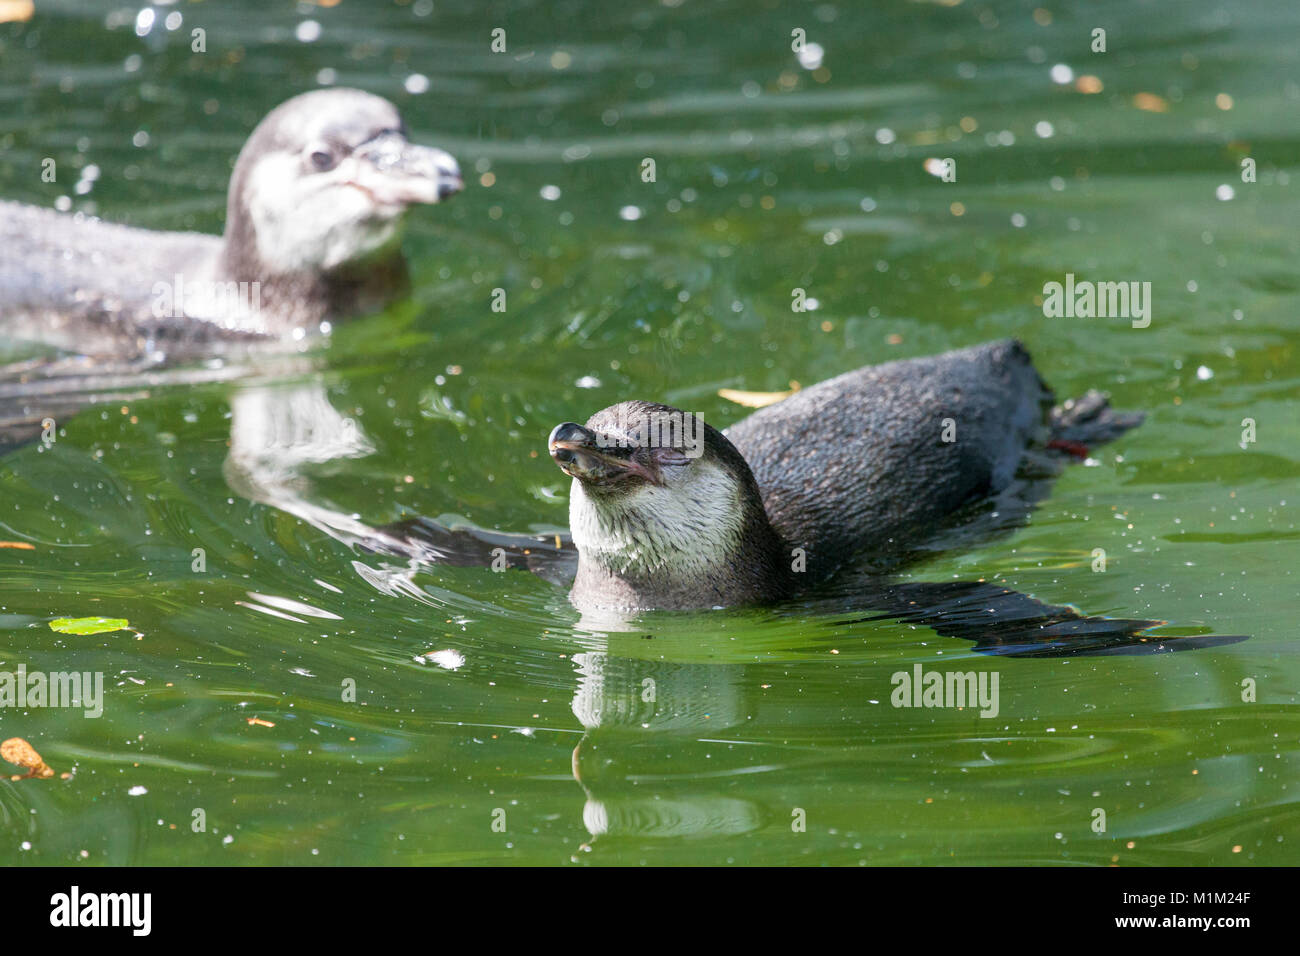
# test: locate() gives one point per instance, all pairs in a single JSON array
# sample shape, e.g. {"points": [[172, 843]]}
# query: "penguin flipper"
{"points": [[551, 557]]}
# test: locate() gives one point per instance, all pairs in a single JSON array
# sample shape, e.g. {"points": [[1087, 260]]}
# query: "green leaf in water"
{"points": [[88, 625]]}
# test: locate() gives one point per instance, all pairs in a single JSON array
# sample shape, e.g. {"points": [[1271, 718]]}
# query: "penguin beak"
{"points": [[581, 454], [397, 172]]}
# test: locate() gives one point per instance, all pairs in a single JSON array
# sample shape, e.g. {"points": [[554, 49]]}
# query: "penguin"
{"points": [[314, 216], [667, 512]]}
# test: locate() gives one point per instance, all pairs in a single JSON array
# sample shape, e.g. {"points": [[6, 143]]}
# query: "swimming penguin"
{"points": [[819, 497], [313, 221], [667, 512]]}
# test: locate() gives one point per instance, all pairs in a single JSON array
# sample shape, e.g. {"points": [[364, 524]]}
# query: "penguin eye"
{"points": [[321, 160]]}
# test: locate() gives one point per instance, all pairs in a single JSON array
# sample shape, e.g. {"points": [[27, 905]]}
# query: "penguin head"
{"points": [[657, 491], [325, 180]]}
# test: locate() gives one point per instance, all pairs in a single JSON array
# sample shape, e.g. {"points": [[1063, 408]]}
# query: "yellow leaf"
{"points": [[88, 625], [754, 399]]}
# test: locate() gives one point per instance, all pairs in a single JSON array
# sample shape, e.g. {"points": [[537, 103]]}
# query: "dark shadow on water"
{"points": [[1004, 622]]}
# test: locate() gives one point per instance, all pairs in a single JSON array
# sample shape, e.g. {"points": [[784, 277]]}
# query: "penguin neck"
{"points": [[627, 563], [303, 298]]}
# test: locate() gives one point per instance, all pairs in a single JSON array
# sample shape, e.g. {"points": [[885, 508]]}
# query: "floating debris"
{"points": [[1151, 103], [16, 11], [20, 752], [448, 659]]}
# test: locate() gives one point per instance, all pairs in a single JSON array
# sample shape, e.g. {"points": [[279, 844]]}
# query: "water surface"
{"points": [[530, 742]]}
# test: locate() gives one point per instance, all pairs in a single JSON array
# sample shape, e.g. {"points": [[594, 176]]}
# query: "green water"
{"points": [[768, 177]]}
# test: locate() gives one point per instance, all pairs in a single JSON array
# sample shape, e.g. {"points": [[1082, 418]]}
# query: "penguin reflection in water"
{"points": [[819, 497]]}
